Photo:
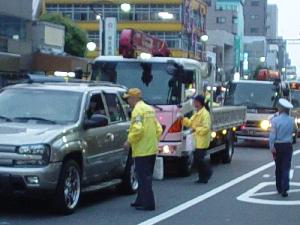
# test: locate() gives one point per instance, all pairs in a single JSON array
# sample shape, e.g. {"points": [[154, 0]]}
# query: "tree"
{"points": [[75, 38]]}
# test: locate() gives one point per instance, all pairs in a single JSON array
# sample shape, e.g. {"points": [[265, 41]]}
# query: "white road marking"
{"points": [[297, 167], [272, 192], [266, 176], [207, 195], [291, 174], [250, 195]]}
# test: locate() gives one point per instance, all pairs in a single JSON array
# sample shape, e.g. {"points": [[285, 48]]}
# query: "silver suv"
{"points": [[63, 139]]}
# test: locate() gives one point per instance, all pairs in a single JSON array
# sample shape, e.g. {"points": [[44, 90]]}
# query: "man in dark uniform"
{"points": [[281, 137]]}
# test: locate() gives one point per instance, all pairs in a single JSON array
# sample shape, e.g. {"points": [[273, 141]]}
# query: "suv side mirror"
{"points": [[96, 121]]}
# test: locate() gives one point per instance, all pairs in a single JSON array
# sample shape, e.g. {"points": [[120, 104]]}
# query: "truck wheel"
{"points": [[67, 194], [129, 184], [295, 139], [229, 150], [186, 165]]}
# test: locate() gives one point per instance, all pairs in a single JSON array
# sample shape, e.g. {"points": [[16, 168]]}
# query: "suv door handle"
{"points": [[109, 137]]}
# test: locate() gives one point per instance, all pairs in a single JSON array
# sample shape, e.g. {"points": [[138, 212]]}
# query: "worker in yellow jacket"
{"points": [[143, 137], [200, 123]]}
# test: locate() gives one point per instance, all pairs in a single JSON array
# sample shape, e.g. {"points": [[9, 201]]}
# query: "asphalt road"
{"points": [[239, 193]]}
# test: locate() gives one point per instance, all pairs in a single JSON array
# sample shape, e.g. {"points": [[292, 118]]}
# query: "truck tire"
{"points": [[186, 165], [67, 194], [229, 150], [295, 139], [129, 183]]}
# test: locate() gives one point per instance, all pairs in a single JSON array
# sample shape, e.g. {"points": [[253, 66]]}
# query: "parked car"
{"points": [[61, 139]]}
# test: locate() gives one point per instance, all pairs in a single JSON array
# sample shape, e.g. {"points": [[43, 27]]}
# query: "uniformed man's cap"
{"points": [[132, 92], [285, 103]]}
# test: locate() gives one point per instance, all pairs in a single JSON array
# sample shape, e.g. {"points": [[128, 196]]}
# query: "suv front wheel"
{"points": [[68, 189], [129, 183]]}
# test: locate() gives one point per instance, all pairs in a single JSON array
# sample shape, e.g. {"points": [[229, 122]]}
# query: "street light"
{"points": [[91, 46], [262, 59], [204, 38], [125, 7], [166, 15]]}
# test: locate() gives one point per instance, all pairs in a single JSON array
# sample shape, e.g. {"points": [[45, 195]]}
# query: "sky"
{"points": [[289, 26]]}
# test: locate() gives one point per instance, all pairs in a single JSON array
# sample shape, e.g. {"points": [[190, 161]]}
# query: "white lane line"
{"points": [[291, 174], [266, 176], [207, 195]]}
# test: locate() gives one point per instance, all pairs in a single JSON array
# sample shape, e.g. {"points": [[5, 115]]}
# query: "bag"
{"points": [[190, 143], [158, 173]]}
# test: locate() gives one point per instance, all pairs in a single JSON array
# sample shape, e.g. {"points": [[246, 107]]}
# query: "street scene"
{"points": [[149, 112]]}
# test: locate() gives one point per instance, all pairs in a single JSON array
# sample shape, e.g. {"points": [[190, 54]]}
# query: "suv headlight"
{"points": [[265, 124], [38, 154]]}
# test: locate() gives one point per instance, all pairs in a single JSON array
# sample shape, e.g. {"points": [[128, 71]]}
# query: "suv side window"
{"points": [[114, 106], [96, 106]]}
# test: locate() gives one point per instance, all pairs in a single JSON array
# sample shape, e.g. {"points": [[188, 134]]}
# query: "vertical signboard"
{"points": [[110, 36], [237, 46]]}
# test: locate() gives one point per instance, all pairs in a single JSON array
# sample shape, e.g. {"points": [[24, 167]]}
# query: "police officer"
{"points": [[281, 136], [143, 137], [200, 123]]}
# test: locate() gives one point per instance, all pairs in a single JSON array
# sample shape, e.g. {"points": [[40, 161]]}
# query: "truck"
{"points": [[261, 98], [295, 95], [168, 84]]}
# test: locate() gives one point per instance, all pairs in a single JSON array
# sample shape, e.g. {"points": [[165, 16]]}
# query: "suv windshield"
{"points": [[157, 85], [252, 95], [44, 106]]}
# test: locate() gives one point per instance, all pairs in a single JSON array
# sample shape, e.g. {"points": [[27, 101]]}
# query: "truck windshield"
{"points": [[157, 85], [43, 106], [296, 98], [252, 95]]}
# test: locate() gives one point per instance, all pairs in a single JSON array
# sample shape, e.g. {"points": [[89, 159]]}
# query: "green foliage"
{"points": [[75, 38]]}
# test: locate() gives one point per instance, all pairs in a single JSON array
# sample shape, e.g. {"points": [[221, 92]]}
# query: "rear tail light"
{"points": [[176, 126]]}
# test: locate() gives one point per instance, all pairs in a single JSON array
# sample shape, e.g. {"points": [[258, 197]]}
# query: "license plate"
{"points": [[251, 132]]}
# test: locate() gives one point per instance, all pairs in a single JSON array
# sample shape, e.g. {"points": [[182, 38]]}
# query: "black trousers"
{"points": [[144, 167], [284, 152], [204, 168]]}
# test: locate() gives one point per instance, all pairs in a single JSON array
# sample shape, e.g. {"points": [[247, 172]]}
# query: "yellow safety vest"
{"points": [[200, 122], [144, 131]]}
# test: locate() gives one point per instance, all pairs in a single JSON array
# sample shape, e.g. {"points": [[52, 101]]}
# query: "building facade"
{"points": [[272, 21], [255, 12], [182, 33], [15, 37], [228, 15]]}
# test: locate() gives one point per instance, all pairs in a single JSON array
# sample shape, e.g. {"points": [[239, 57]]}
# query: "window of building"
{"points": [[235, 20], [142, 13], [254, 30], [52, 8], [12, 27], [154, 10], [110, 11], [221, 20], [254, 17], [254, 3]]}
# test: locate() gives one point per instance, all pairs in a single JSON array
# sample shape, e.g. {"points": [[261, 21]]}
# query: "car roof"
{"points": [[71, 86]]}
